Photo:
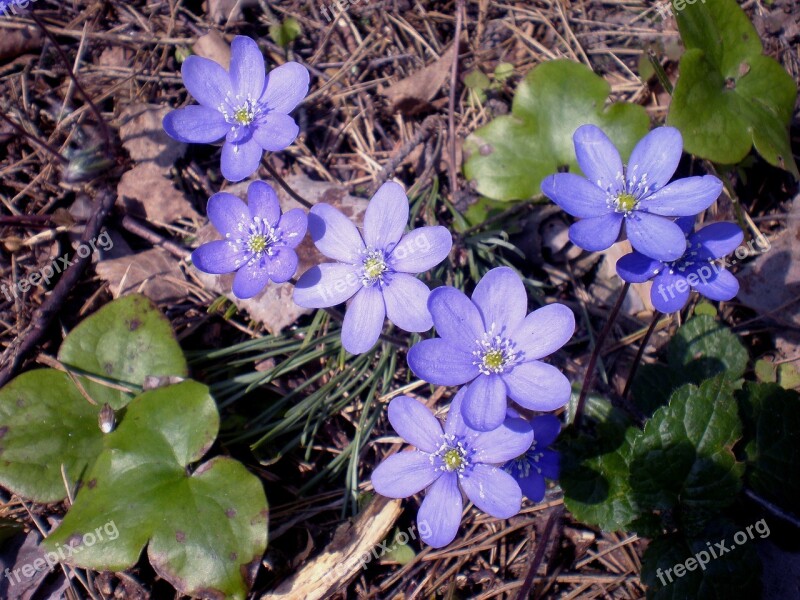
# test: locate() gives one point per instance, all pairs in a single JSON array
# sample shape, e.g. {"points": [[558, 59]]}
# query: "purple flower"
{"points": [[640, 198], [259, 242], [696, 269], [490, 342], [449, 462], [246, 106], [531, 467], [377, 269]]}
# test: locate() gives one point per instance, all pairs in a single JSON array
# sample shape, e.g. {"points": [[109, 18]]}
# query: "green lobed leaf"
{"points": [[594, 468], [684, 460], [734, 573], [125, 341], [206, 531], [729, 96], [771, 418], [703, 348], [510, 156], [285, 33], [45, 423], [477, 80]]}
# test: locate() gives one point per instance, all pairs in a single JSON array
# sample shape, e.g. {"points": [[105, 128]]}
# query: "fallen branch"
{"points": [[350, 549]]}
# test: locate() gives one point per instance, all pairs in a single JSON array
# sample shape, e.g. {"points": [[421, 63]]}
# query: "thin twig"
{"points": [[274, 174], [35, 140], [140, 229], [539, 555], [588, 378], [92, 106], [421, 136], [640, 353], [41, 319], [773, 508]]}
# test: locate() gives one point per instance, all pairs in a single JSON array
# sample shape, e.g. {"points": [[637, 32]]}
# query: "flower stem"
{"points": [[639, 354], [540, 550], [588, 378], [274, 174]]}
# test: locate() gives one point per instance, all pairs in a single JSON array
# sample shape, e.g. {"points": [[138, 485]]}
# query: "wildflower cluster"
{"points": [[657, 216], [488, 343], [491, 345]]}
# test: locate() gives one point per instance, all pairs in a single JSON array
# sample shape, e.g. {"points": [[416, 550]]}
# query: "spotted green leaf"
{"points": [[123, 343], [205, 527], [729, 96]]}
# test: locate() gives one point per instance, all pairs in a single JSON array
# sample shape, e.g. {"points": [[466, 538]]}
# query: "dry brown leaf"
{"points": [[213, 47], [413, 94], [146, 192], [274, 307], [154, 273], [16, 42], [222, 11], [115, 56], [770, 284], [608, 284], [144, 137]]}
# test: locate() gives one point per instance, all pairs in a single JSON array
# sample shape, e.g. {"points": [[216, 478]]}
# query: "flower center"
{"points": [[626, 194], [244, 115], [452, 459], [452, 455], [495, 354], [689, 258], [626, 203], [253, 239], [257, 242], [240, 111], [374, 267], [525, 461], [494, 360]]}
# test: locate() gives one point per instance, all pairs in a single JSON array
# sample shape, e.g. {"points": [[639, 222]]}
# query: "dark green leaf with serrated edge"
{"points": [[729, 96], [734, 574], [45, 422], [684, 459], [652, 387], [125, 342], [703, 348], [509, 157], [594, 468], [771, 417], [206, 531]]}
